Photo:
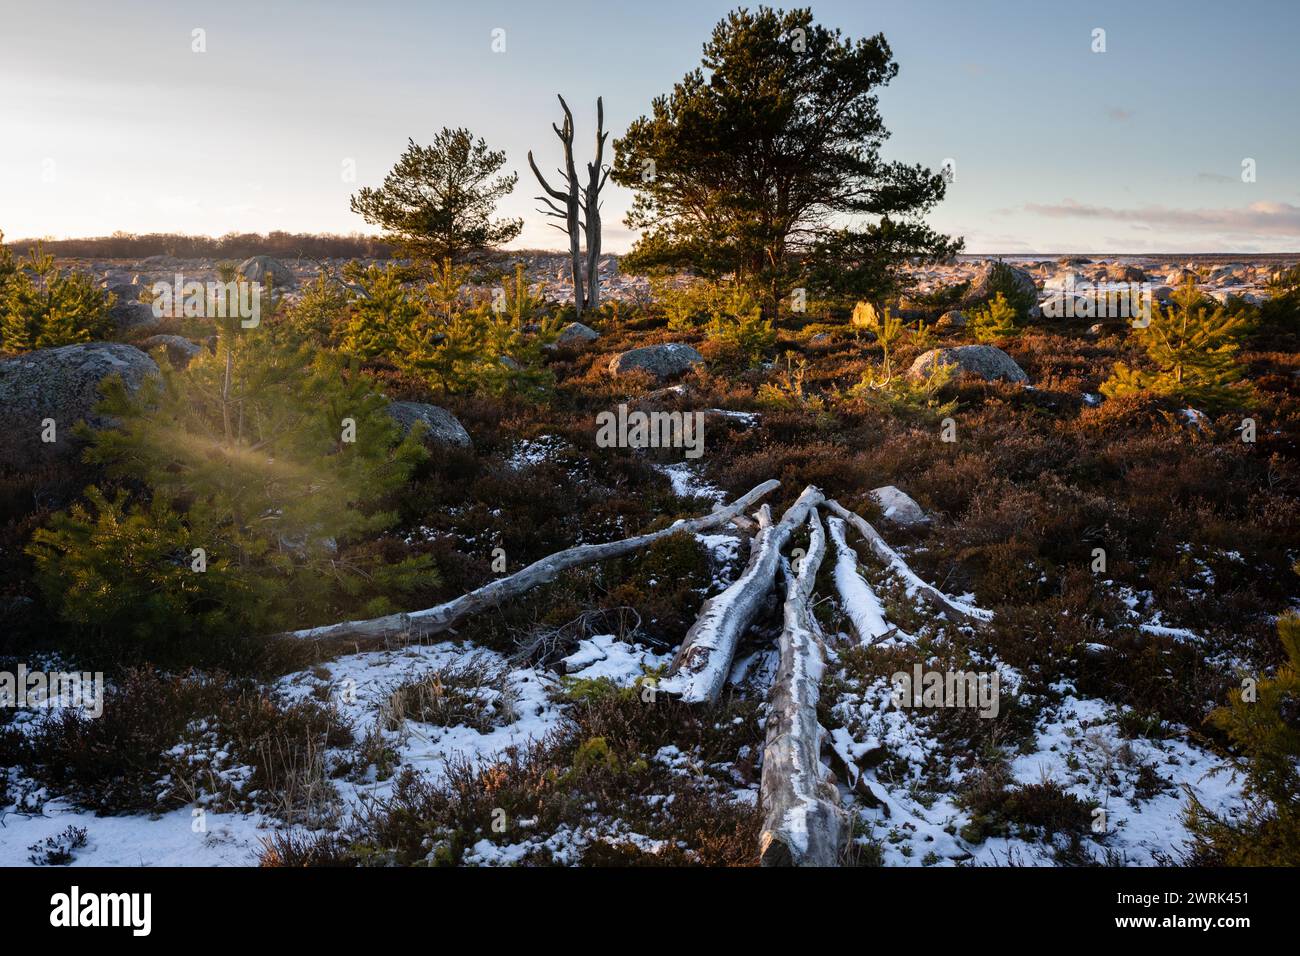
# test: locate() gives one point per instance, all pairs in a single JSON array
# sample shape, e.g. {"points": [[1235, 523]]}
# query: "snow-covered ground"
{"points": [[1141, 784], [358, 685]]}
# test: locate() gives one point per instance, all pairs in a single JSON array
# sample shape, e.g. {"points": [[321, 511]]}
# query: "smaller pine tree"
{"points": [[1266, 730], [7, 267], [737, 323], [278, 460], [884, 327], [444, 290], [1192, 354], [318, 310], [997, 320], [381, 315], [44, 306]]}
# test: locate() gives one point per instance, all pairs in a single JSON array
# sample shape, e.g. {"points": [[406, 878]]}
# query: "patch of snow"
{"points": [[687, 484]]}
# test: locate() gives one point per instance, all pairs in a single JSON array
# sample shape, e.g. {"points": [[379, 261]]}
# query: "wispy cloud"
{"points": [[1256, 219], [1119, 114]]}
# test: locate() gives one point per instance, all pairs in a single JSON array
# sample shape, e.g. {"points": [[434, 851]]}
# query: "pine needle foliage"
{"points": [[1190, 355]]}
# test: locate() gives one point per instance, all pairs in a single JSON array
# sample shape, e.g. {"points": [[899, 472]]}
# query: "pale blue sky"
{"points": [[109, 121]]}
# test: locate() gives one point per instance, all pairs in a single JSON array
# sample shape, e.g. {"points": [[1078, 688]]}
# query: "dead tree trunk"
{"points": [[571, 199], [597, 173], [931, 595], [802, 821], [436, 619], [859, 602], [699, 671]]}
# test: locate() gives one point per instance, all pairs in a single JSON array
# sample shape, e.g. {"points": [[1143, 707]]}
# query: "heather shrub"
{"points": [[164, 742]]}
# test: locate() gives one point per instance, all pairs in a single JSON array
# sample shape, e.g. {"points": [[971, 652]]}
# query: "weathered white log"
{"points": [[802, 821], [440, 618], [699, 671], [914, 585], [859, 602]]}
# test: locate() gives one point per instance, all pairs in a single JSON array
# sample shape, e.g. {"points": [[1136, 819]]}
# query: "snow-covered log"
{"points": [[859, 602], [915, 586], [443, 616], [699, 671], [802, 821]]}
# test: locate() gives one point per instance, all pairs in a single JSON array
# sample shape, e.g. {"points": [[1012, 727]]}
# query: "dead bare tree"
{"points": [[581, 207], [569, 196], [596, 176]]}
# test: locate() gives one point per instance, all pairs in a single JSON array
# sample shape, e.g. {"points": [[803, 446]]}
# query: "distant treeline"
{"points": [[282, 245]]}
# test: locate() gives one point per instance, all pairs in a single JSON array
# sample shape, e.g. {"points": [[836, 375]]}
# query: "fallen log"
{"points": [[860, 603], [699, 671], [436, 619], [931, 595], [802, 821]]}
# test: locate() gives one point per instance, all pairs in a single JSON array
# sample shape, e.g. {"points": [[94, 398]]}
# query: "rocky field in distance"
{"points": [[1219, 276]]}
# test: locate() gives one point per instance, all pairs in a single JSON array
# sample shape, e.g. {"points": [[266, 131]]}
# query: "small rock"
{"points": [[986, 361], [259, 268], [125, 291], [661, 361], [576, 335], [132, 314], [180, 350], [443, 427], [900, 508], [981, 285]]}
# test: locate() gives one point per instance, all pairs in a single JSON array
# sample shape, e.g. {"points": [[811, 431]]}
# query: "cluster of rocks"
{"points": [[1051, 279]]}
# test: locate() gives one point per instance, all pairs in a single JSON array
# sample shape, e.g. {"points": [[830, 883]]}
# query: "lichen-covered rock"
{"points": [[258, 268], [131, 313], [986, 361], [982, 281], [443, 427], [661, 361], [1120, 272], [60, 387], [180, 350], [576, 335]]}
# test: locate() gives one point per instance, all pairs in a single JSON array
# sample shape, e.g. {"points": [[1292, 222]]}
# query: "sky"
{"points": [[111, 120]]}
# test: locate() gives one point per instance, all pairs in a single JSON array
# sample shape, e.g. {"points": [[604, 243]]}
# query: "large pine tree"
{"points": [[764, 163], [439, 200]]}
